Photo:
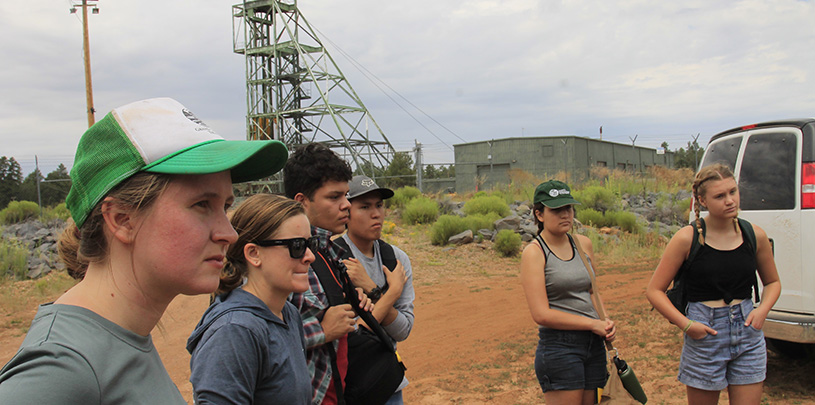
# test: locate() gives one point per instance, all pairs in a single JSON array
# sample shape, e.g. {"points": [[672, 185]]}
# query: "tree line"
{"points": [[13, 187], [401, 171], [687, 157]]}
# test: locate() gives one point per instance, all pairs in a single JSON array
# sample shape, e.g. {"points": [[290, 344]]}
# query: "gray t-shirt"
{"points": [[568, 284], [72, 355]]}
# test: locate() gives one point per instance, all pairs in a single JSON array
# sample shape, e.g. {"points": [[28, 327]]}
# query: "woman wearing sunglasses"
{"points": [[249, 346]]}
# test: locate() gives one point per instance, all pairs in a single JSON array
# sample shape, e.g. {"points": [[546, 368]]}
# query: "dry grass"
{"points": [[19, 299]]}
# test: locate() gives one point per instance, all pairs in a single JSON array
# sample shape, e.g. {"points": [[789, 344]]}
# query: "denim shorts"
{"points": [[570, 360], [737, 355]]}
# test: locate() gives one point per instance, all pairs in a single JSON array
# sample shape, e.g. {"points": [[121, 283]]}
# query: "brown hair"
{"points": [[78, 247], [258, 217], [537, 207], [716, 171]]}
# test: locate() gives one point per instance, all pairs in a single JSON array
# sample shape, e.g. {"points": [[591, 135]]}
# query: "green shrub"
{"points": [[485, 205], [625, 220], [58, 212], [401, 196], [589, 216], [481, 221], [420, 210], [13, 259], [445, 227], [507, 243], [19, 211], [597, 198]]}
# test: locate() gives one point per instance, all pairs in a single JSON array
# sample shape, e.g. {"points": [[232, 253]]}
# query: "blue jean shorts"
{"points": [[737, 355], [570, 360]]}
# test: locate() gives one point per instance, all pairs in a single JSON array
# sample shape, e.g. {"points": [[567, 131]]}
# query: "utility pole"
{"points": [[419, 165], [87, 55], [696, 152], [37, 175]]}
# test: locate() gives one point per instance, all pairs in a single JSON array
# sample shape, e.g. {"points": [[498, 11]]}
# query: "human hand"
{"points": [[698, 330], [756, 318], [396, 278], [365, 303], [338, 321], [611, 330], [358, 275]]}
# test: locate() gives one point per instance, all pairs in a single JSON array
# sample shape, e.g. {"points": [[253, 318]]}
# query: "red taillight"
{"points": [[748, 127], [808, 185]]}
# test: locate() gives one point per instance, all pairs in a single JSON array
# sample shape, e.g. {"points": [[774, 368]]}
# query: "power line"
{"points": [[365, 72]]}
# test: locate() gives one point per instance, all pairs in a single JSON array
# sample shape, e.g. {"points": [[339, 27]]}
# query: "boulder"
{"points": [[461, 238]]}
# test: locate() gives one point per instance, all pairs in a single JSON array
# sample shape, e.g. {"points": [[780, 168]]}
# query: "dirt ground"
{"points": [[473, 341]]}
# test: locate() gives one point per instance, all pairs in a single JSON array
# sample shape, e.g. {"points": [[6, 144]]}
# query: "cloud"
{"points": [[663, 71]]}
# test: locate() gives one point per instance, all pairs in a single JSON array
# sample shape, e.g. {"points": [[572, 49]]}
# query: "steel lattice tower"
{"points": [[290, 79]]}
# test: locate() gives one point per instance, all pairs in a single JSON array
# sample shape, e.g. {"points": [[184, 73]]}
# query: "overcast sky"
{"points": [[657, 70]]}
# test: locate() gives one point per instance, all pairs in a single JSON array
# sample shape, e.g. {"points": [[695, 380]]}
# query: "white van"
{"points": [[774, 164]]}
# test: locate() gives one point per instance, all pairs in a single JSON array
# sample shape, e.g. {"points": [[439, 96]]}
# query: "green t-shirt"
{"points": [[72, 355]]}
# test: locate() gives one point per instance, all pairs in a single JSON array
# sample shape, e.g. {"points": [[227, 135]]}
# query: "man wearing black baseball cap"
{"points": [[391, 289]]}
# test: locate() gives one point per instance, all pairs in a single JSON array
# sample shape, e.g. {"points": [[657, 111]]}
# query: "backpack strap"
{"points": [[387, 254], [750, 237], [329, 279], [333, 292], [694, 249], [344, 245]]}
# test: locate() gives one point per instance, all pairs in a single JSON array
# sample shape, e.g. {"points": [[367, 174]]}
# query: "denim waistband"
{"points": [[743, 309]]}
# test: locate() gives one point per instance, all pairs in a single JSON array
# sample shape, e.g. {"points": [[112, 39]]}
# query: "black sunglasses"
{"points": [[297, 246]]}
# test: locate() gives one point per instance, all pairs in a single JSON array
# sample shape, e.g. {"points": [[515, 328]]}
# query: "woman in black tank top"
{"points": [[724, 346], [570, 361]]}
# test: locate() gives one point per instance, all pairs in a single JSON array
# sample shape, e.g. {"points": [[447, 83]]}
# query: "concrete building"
{"points": [[488, 163]]}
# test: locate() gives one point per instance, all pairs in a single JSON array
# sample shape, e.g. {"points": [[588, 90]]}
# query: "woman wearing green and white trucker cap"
{"points": [[570, 361], [151, 185]]}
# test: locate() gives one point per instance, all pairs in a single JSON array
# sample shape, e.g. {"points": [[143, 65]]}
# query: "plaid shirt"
{"points": [[312, 304]]}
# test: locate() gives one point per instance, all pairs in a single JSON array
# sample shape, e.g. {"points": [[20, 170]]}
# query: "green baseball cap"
{"points": [[159, 135], [554, 194]]}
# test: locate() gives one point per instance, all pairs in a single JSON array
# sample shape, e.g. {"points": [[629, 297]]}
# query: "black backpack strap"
{"points": [[387, 254], [333, 291], [750, 237], [329, 279], [694, 249], [344, 245]]}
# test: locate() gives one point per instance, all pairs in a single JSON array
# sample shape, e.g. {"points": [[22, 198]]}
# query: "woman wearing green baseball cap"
{"points": [[570, 361], [151, 184]]}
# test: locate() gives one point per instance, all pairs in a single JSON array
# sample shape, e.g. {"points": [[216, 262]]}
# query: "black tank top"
{"points": [[721, 274]]}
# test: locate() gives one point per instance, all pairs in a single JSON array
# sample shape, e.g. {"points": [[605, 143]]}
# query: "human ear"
{"points": [[252, 254], [300, 197], [119, 220]]}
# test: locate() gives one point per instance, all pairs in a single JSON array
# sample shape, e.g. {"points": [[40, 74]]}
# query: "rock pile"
{"points": [[41, 242]]}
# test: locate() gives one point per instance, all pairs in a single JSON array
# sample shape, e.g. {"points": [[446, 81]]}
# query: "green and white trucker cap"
{"points": [[159, 135]]}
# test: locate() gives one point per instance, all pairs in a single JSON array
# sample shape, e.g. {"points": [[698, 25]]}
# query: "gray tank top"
{"points": [[567, 283]]}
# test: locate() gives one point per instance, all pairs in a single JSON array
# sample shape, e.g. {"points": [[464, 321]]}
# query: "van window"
{"points": [[723, 151], [767, 178]]}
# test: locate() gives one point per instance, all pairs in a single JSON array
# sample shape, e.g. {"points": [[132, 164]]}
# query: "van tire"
{"points": [[792, 350]]}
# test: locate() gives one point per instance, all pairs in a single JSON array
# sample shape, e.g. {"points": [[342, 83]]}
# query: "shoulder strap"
{"points": [[694, 248], [344, 245], [750, 233], [595, 297], [328, 279], [387, 254]]}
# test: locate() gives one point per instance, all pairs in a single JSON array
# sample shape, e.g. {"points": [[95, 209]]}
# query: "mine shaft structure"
{"points": [[296, 93]]}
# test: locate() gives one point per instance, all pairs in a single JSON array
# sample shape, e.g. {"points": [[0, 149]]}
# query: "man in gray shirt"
{"points": [[391, 290]]}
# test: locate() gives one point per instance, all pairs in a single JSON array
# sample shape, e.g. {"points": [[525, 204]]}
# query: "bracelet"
{"points": [[690, 322]]}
